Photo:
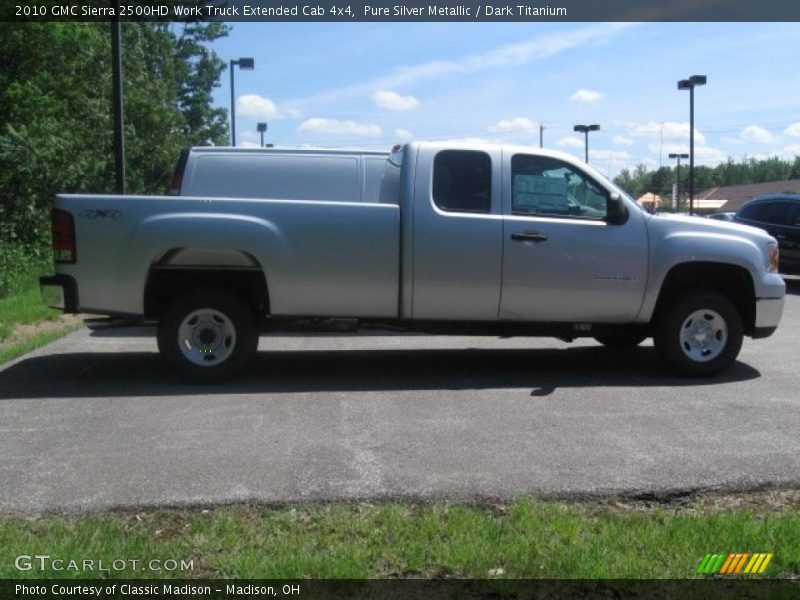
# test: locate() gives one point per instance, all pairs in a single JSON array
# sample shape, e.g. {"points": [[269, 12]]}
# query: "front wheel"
{"points": [[700, 334], [208, 335]]}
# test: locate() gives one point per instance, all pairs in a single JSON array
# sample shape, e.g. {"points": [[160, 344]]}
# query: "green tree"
{"points": [[55, 117]]}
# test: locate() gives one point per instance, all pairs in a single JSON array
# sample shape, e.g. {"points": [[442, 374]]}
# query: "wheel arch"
{"points": [[733, 281], [180, 270]]}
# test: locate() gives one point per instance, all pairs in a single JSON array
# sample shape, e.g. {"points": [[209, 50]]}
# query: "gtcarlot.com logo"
{"points": [[734, 563], [46, 562]]}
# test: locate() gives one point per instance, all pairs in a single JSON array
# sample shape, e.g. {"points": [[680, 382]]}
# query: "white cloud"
{"points": [[571, 142], [257, 107], [248, 145], [793, 150], [756, 135], [793, 130], [336, 127], [621, 140], [403, 134], [510, 55], [515, 124], [394, 101], [672, 130], [586, 96]]}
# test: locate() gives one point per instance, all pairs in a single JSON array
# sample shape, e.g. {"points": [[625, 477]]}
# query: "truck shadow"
{"points": [[542, 371]]}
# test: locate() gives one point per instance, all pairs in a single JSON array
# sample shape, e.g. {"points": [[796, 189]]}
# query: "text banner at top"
{"points": [[402, 10]]}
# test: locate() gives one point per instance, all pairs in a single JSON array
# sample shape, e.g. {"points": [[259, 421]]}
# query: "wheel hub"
{"points": [[206, 337], [703, 336]]}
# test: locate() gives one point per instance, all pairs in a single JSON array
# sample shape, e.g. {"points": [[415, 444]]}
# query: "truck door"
{"points": [[562, 261], [457, 235]]}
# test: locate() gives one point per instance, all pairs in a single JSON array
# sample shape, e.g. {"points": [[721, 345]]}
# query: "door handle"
{"points": [[529, 236]]}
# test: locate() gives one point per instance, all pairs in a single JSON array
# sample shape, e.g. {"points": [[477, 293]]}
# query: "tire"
{"points": [[699, 335], [621, 340], [208, 335]]}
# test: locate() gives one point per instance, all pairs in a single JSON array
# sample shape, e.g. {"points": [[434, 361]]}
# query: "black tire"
{"points": [[621, 340], [702, 359], [218, 345]]}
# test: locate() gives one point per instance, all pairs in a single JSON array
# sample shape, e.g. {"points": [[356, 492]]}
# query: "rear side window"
{"points": [[462, 181]]}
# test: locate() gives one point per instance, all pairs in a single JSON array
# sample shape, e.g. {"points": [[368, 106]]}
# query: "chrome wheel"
{"points": [[206, 337], [703, 335]]}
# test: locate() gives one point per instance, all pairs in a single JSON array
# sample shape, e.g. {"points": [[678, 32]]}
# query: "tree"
{"points": [[55, 117]]}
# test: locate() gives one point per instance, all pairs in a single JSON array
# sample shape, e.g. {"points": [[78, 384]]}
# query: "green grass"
{"points": [[37, 340], [23, 306], [526, 539]]}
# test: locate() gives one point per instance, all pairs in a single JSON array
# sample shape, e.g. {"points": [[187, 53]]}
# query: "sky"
{"points": [[371, 85]]}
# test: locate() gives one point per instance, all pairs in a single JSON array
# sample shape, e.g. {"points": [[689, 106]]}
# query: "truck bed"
{"points": [[331, 258]]}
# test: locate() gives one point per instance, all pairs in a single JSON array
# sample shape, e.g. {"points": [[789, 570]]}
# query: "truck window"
{"points": [[462, 181], [546, 186]]}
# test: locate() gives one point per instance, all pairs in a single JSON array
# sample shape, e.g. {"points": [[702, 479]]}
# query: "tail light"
{"points": [[64, 250]]}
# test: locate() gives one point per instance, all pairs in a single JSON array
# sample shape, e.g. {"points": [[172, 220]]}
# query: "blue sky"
{"points": [[372, 85]]}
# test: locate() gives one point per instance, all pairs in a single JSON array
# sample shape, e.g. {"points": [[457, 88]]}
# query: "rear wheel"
{"points": [[208, 335], [700, 335]]}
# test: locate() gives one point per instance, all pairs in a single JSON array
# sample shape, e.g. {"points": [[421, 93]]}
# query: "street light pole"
{"points": [[246, 64], [261, 128], [541, 135], [678, 178], [690, 84], [585, 129]]}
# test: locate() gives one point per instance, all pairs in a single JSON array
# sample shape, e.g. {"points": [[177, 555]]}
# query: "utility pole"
{"points": [[541, 135], [117, 103]]}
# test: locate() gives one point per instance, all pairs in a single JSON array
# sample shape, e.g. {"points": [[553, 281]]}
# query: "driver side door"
{"points": [[562, 260]]}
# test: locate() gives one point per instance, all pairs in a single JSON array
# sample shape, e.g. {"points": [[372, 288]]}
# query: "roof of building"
{"points": [[648, 198], [736, 195]]}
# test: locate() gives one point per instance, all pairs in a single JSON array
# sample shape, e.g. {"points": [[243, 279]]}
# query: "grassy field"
{"points": [[25, 322], [525, 539]]}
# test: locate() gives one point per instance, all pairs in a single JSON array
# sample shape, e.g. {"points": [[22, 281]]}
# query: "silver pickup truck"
{"points": [[432, 237]]}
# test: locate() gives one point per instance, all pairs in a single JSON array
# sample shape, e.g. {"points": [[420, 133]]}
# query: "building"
{"points": [[730, 198], [650, 202]]}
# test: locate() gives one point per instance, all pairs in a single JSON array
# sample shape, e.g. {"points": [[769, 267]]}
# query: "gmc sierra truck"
{"points": [[432, 237]]}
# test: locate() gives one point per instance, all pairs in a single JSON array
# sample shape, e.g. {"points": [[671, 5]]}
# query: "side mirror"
{"points": [[616, 213]]}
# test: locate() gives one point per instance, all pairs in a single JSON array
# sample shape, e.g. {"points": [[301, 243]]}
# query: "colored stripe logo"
{"points": [[734, 563]]}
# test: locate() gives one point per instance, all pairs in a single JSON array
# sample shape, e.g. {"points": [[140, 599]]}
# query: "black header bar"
{"points": [[351, 11]]}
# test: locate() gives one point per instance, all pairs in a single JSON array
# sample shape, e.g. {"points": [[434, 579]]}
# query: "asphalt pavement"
{"points": [[93, 422]]}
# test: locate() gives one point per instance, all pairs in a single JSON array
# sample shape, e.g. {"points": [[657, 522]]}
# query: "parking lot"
{"points": [[94, 422]]}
